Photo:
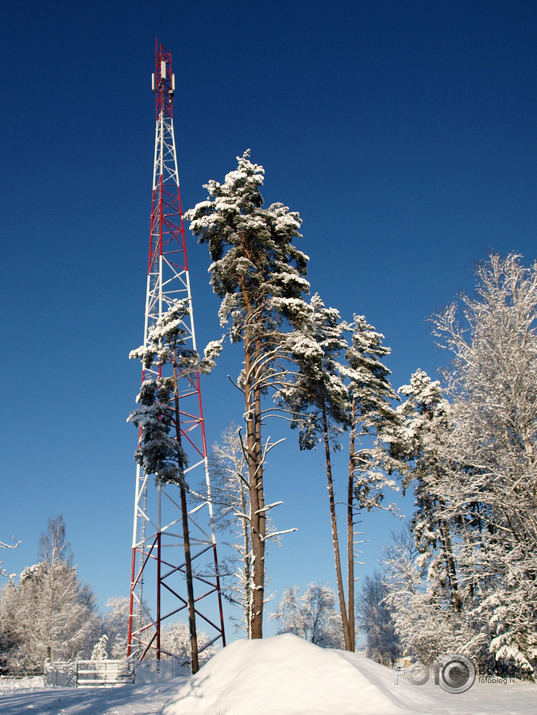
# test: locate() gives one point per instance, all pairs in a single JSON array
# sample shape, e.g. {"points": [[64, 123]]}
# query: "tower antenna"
{"points": [[174, 558]]}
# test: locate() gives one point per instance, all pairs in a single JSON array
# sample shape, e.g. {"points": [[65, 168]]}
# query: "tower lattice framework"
{"points": [[158, 589]]}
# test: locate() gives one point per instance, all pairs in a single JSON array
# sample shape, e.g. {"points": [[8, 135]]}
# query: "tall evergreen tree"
{"points": [[373, 419], [423, 443], [340, 386], [319, 401], [259, 275]]}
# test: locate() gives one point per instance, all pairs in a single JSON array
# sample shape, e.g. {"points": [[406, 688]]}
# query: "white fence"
{"points": [[103, 673], [89, 673], [110, 673]]}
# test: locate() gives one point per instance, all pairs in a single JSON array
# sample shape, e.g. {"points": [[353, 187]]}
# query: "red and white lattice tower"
{"points": [[158, 586]]}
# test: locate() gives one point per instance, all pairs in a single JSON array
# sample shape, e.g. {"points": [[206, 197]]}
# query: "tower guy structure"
{"points": [[174, 558]]}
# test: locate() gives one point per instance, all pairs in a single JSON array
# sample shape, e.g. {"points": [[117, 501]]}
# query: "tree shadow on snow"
{"points": [[145, 699]]}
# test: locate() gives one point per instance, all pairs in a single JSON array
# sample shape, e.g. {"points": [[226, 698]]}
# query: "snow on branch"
{"points": [[9, 546], [269, 506], [277, 533]]}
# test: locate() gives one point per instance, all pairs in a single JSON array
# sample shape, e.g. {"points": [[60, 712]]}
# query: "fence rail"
{"points": [[103, 673], [110, 673], [88, 673]]}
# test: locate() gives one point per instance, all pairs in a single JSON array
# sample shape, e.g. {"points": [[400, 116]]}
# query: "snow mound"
{"points": [[290, 676]]}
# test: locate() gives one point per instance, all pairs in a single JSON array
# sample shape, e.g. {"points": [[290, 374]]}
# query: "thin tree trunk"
{"points": [[450, 564], [350, 533], [450, 559], [194, 660], [190, 586], [335, 538]]}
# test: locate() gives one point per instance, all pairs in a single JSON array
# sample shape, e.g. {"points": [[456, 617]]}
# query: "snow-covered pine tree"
{"points": [[319, 402], [426, 629], [423, 445], [160, 451], [100, 649], [428, 586], [338, 386], [311, 615], [373, 419], [259, 275]]}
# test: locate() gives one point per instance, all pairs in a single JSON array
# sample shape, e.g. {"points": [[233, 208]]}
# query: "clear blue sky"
{"points": [[405, 134]]}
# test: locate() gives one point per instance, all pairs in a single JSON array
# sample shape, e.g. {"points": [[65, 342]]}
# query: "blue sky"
{"points": [[403, 132]]}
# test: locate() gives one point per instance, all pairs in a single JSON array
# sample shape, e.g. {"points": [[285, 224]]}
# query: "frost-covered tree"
{"points": [[375, 620], [319, 402], [423, 442], [339, 386], [176, 640], [429, 589], [160, 451], [116, 626], [260, 277], [53, 545], [492, 384], [158, 416], [9, 639], [425, 628], [469, 454], [11, 643], [231, 499], [373, 420], [53, 614], [310, 614], [100, 649]]}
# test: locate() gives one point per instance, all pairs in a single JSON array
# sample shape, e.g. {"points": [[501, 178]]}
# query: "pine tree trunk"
{"points": [[335, 537], [350, 533], [255, 481], [246, 562], [194, 660]]}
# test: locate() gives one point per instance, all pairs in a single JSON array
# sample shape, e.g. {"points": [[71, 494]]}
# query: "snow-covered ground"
{"points": [[283, 675]]}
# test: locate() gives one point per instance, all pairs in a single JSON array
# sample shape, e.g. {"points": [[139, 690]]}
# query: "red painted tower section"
{"points": [[158, 593]]}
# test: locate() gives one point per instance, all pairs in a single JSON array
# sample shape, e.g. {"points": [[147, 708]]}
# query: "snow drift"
{"points": [[288, 675], [284, 675]]}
